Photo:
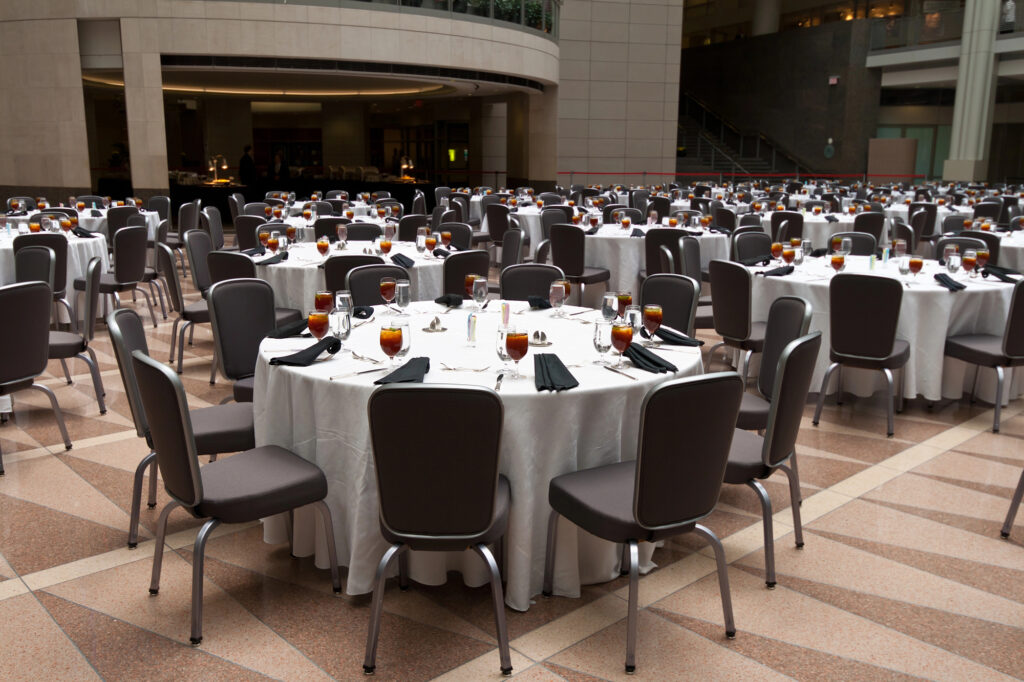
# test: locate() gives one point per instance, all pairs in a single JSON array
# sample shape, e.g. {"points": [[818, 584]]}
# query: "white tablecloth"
{"points": [[296, 280], [901, 211], [544, 435], [1011, 250], [817, 228], [99, 223], [928, 315]]}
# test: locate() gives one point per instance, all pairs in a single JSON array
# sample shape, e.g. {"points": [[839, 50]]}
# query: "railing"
{"points": [[921, 29], [614, 176], [704, 138], [536, 15]]}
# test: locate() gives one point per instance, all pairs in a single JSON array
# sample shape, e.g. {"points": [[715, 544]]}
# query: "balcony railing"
{"points": [[533, 15], [922, 29]]}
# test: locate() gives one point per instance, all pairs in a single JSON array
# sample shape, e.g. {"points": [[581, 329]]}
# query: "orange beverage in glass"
{"points": [[780, 207], [446, 239], [34, 227], [626, 222], [795, 242], [817, 210], [268, 211], [986, 226], [387, 288], [837, 243], [968, 224], [622, 336], [540, 203], [788, 255], [65, 224], [290, 232], [571, 203], [323, 301], [380, 213], [317, 323], [431, 242], [307, 214], [982, 256], [776, 250], [652, 318], [673, 222], [323, 245], [916, 264], [503, 201], [80, 205], [575, 220], [566, 285], [838, 260], [517, 343], [385, 245], [468, 283], [594, 220], [852, 209], [272, 244], [624, 299], [277, 212], [74, 220], [391, 341], [349, 214], [264, 237]]}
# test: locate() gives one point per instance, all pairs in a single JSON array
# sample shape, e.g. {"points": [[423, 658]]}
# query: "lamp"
{"points": [[407, 165], [217, 163]]}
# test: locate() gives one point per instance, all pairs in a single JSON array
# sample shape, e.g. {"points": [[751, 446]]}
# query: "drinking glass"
{"points": [[499, 348], [389, 231], [948, 251], [609, 306], [899, 247], [846, 247], [391, 341], [806, 247], [343, 301], [479, 291], [274, 242], [317, 322], [264, 237], [594, 220], [602, 341], [634, 317], [430, 242], [556, 295], [836, 243], [776, 250], [385, 245], [624, 299], [517, 343], [403, 325], [970, 262], [323, 245], [342, 231], [307, 215], [387, 289], [953, 262], [915, 264], [838, 261], [446, 239], [291, 232], [403, 294], [626, 222], [622, 336], [903, 264], [652, 321], [467, 283], [983, 257], [323, 301], [788, 255]]}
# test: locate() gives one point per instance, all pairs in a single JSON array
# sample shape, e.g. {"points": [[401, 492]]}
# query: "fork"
{"points": [[357, 356], [464, 369]]}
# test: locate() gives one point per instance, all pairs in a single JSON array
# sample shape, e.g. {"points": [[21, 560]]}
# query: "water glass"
{"points": [[903, 263], [846, 246], [556, 296], [403, 294], [609, 306], [343, 302], [340, 323], [403, 324], [634, 317], [953, 262], [499, 348], [479, 291], [602, 341]]}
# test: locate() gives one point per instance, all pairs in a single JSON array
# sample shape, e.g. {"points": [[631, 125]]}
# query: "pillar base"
{"points": [[965, 170]]}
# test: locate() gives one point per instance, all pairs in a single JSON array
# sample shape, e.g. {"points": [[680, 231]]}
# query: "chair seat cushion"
{"points": [[600, 501], [223, 428], [980, 349], [756, 340], [591, 276], [283, 316], [899, 356], [149, 274], [745, 463], [242, 390], [753, 412], [502, 499], [108, 284], [65, 345], [258, 483], [480, 237], [704, 319], [197, 312]]}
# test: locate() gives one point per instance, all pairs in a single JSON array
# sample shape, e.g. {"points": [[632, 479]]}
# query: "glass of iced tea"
{"points": [[391, 341], [776, 250], [983, 256], [387, 289], [65, 224], [80, 205], [307, 214], [673, 222], [622, 336], [385, 245], [430, 242], [323, 301], [317, 321], [290, 232], [34, 227], [575, 220], [517, 343], [788, 255], [446, 239], [268, 211], [350, 214], [594, 220], [652, 321], [625, 299], [838, 261], [323, 245], [467, 283], [264, 237], [915, 265], [970, 262], [277, 212], [274, 241], [626, 222]]}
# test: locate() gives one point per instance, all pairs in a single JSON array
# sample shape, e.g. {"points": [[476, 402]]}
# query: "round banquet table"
{"points": [[928, 315], [818, 228], [901, 211], [543, 435], [97, 223], [296, 280], [1011, 250]]}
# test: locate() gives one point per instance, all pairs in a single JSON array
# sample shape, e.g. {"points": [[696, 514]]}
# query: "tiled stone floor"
{"points": [[903, 575]]}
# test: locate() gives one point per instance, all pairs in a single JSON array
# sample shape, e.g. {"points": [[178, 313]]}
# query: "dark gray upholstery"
{"points": [[677, 295], [457, 266], [364, 232], [462, 235], [408, 226], [669, 237], [519, 282], [731, 310], [871, 223], [754, 244], [242, 314], [363, 282], [568, 252], [861, 243], [245, 231], [336, 268]]}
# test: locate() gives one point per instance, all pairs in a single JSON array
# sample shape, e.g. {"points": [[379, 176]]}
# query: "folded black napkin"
{"points": [[818, 253], [777, 272], [637, 232], [756, 260], [948, 282], [593, 230], [274, 260], [14, 214], [306, 357], [450, 300], [693, 233], [720, 230], [96, 213], [362, 312], [410, 372], [403, 260], [672, 337], [999, 273], [441, 253], [647, 361], [257, 251], [731, 202], [550, 374], [538, 303], [291, 329], [832, 219], [82, 232]]}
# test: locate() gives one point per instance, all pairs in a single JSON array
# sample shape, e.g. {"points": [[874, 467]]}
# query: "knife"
{"points": [[486, 303], [497, 384], [617, 371], [353, 374]]}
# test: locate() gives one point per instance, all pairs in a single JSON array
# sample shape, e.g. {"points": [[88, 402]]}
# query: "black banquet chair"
{"points": [[671, 486], [730, 307], [242, 314], [59, 245], [457, 266], [363, 282], [129, 267], [251, 485], [519, 282], [568, 251], [445, 495], [67, 345]]}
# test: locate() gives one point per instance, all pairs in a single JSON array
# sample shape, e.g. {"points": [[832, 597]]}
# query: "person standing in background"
{"points": [[247, 167]]}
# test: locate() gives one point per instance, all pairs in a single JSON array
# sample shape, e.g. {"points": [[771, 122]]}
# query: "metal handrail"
{"points": [[716, 149]]}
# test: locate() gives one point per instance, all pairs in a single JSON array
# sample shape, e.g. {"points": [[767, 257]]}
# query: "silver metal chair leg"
{"points": [[373, 631], [839, 386], [549, 556], [332, 552], [999, 399], [198, 555], [136, 509], [151, 503], [769, 535], [794, 502], [711, 354], [174, 337], [158, 550], [403, 571], [1011, 514], [181, 344], [796, 472], [56, 413], [723, 578], [823, 391], [889, 401], [158, 294], [67, 374], [191, 335], [97, 380], [498, 598], [624, 559], [632, 607], [899, 393], [149, 302], [213, 368], [746, 365]]}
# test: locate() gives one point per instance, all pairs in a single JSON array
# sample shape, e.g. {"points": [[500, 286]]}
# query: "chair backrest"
{"points": [[751, 245], [363, 232], [953, 224], [338, 206], [169, 271], [257, 208], [1013, 337], [337, 194], [130, 254], [233, 207], [170, 427], [92, 296], [34, 264], [210, 220], [750, 219], [660, 205], [988, 209], [408, 225], [730, 304], [127, 334], [608, 210], [419, 203], [677, 295], [440, 193], [863, 298], [550, 198], [364, 282], [992, 240], [678, 480], [927, 228], [788, 318], [870, 223], [657, 237], [445, 488], [198, 247], [117, 217], [497, 221], [24, 347], [568, 248], [901, 230], [224, 265], [550, 216], [245, 231], [458, 265], [519, 282], [242, 314], [962, 242], [461, 205], [58, 243], [462, 234], [327, 226], [188, 217], [336, 268], [28, 203], [689, 265], [638, 200], [794, 218], [862, 243], [789, 397], [724, 217], [511, 248]]}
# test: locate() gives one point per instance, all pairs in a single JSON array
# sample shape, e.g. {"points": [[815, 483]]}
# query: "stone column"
{"points": [[144, 106], [975, 94], [766, 17], [542, 144], [493, 143]]}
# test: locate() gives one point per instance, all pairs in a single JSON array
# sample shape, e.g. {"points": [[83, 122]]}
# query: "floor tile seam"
{"points": [[26, 455], [72, 514], [126, 514], [113, 436], [85, 376], [569, 667], [64, 632], [577, 640]]}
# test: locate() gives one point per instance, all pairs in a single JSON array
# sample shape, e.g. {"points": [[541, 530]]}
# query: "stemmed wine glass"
{"points": [[622, 336], [624, 300], [501, 350], [317, 322], [323, 245], [609, 306], [970, 262], [403, 294], [602, 341], [479, 292], [517, 343], [391, 341], [652, 322], [388, 285], [274, 242], [556, 296]]}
